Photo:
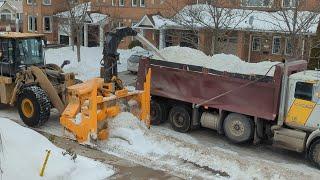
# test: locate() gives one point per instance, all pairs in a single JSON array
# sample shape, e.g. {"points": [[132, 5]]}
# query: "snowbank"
{"points": [[24, 150], [89, 67], [220, 62], [129, 138]]}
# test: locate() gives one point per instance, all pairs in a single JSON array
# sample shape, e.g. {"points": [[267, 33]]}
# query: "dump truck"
{"points": [[246, 108], [27, 81]]}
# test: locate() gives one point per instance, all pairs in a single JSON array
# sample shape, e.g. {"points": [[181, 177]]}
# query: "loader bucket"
{"points": [[93, 103]]}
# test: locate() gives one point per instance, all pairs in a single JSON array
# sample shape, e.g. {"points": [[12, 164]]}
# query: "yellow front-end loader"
{"points": [[93, 103]]}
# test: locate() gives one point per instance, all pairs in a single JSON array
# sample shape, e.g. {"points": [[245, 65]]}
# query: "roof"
{"points": [[245, 20], [309, 76], [19, 35], [15, 5]]}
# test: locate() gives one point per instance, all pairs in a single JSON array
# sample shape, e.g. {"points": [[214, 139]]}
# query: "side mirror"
{"points": [[65, 62]]}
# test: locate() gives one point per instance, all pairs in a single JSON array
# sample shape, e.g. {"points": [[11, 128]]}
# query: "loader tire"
{"points": [[33, 106], [158, 112], [314, 153], [180, 118], [238, 128]]}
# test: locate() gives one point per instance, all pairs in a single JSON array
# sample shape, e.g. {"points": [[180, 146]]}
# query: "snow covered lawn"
{"points": [[89, 66], [23, 152]]}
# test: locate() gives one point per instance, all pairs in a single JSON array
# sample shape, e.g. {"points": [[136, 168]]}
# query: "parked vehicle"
{"points": [[133, 60], [284, 108]]}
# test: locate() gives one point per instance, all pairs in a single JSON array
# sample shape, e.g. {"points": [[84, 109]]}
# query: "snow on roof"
{"points": [[97, 17], [77, 10], [308, 75], [241, 19], [17, 5]]}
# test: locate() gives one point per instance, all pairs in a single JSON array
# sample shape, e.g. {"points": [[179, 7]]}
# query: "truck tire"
{"points": [[180, 118], [314, 153], [158, 112], [33, 106], [238, 128]]}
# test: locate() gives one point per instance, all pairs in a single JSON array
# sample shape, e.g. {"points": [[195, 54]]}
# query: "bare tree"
{"points": [[72, 21], [296, 22], [212, 17]]}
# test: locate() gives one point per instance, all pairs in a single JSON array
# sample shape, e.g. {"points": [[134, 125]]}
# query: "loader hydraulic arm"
{"points": [[110, 54]]}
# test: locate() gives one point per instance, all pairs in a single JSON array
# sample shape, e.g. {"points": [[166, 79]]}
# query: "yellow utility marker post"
{"points": [[45, 163]]}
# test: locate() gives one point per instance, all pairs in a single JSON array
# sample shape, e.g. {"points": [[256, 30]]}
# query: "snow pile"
{"points": [[127, 131], [23, 151], [89, 67], [219, 62], [129, 138]]}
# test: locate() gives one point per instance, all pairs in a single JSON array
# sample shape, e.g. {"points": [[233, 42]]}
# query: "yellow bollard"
{"points": [[45, 163]]}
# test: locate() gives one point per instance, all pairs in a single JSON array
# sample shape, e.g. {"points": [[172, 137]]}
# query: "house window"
{"points": [[290, 3], [121, 2], [288, 50], [256, 44], [30, 2], [5, 15], [134, 2], [276, 45], [47, 24], [142, 3], [47, 2], [257, 3], [112, 3], [32, 26]]}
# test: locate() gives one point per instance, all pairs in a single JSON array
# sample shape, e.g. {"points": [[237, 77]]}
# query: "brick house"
{"points": [[255, 39], [249, 45], [122, 13]]}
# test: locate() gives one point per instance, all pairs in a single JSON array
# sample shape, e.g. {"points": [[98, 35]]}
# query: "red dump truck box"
{"points": [[195, 84]]}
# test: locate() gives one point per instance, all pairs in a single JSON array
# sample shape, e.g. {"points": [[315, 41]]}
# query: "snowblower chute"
{"points": [[93, 103]]}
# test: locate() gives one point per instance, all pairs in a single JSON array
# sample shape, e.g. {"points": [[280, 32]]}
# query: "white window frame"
{"points": [[36, 28], [244, 4], [44, 3], [276, 37], [132, 3], [44, 28], [6, 14], [122, 4], [286, 46], [113, 3], [253, 38], [144, 4], [29, 2]]}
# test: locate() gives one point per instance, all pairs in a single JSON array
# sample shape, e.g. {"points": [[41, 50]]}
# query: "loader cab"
{"points": [[303, 108], [18, 50]]}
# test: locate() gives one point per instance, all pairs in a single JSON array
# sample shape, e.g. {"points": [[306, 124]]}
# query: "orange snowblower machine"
{"points": [[93, 103]]}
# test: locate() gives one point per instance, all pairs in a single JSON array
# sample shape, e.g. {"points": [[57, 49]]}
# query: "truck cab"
{"points": [[303, 110]]}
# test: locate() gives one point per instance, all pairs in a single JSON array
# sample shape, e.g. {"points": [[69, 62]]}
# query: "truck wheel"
{"points": [[33, 106], [314, 153], [238, 128], [180, 118], [158, 112]]}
